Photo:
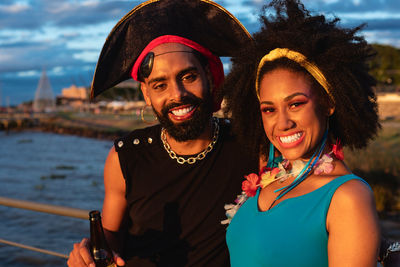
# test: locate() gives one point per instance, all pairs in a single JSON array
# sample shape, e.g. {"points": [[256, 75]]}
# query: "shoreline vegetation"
{"points": [[378, 164]]}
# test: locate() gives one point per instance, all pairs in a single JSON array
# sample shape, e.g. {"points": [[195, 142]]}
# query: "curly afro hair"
{"points": [[340, 54]]}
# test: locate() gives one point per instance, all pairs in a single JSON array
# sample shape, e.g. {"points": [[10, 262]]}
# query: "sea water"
{"points": [[52, 169]]}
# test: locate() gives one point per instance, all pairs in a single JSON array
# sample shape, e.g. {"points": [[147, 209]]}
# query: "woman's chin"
{"points": [[291, 154]]}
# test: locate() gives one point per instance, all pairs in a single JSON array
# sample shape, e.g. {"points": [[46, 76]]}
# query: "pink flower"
{"points": [[266, 169], [286, 164], [324, 165], [337, 150], [250, 185]]}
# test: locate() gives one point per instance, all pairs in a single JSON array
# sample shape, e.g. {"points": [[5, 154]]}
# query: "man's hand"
{"points": [[80, 256], [390, 258], [393, 260]]}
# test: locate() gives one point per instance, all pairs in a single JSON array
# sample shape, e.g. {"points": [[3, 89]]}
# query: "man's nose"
{"points": [[177, 91]]}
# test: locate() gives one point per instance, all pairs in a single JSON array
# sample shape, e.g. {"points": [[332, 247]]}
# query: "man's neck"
{"points": [[194, 146]]}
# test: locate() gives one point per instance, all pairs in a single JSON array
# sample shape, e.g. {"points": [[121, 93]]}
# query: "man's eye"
{"points": [[159, 86], [189, 77]]}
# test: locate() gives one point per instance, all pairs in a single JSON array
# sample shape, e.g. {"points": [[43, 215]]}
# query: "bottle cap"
{"points": [[94, 215]]}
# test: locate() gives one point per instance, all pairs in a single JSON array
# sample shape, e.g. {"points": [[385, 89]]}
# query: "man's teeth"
{"points": [[181, 111], [291, 138]]}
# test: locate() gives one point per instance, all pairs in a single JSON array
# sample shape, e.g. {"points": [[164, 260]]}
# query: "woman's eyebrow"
{"points": [[286, 99]]}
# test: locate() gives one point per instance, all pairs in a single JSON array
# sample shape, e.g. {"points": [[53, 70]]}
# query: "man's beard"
{"points": [[192, 128]]}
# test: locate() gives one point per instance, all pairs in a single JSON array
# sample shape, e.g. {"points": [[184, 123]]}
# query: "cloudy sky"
{"points": [[65, 37]]}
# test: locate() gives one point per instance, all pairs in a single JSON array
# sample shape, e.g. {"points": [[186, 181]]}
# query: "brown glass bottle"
{"points": [[101, 253]]}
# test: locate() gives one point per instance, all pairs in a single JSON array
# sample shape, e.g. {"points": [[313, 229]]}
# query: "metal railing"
{"points": [[46, 208]]}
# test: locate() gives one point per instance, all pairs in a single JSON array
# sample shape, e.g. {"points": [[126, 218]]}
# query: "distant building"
{"points": [[75, 92], [74, 96], [44, 99], [130, 83], [388, 105]]}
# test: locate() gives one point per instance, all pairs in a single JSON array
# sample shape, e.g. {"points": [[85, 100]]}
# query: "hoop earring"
{"points": [[142, 110]]}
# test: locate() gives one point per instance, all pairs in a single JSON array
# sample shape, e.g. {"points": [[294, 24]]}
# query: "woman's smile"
{"points": [[290, 140]]}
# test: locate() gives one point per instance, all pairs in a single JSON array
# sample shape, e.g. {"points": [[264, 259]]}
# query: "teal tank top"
{"points": [[292, 233]]}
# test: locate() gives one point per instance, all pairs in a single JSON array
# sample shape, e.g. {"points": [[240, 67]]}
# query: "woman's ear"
{"points": [[146, 97], [330, 111]]}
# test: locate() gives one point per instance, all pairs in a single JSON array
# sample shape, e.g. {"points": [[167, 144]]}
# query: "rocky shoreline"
{"points": [[98, 127], [84, 131]]}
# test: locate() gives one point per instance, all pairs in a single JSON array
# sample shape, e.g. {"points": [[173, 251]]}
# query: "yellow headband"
{"points": [[299, 58]]}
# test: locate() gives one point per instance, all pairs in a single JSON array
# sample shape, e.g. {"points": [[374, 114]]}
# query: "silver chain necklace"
{"points": [[200, 156]]}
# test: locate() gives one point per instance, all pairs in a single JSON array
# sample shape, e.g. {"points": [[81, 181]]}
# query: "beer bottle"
{"points": [[102, 254]]}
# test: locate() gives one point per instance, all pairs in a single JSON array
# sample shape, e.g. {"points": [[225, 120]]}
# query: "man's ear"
{"points": [[144, 89], [209, 77]]}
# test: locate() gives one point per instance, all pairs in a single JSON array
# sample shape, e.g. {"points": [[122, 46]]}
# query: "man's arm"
{"points": [[114, 205], [113, 215]]}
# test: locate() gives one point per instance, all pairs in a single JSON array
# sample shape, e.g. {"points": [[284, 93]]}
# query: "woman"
{"points": [[302, 91]]}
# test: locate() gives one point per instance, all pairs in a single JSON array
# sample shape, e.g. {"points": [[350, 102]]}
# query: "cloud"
{"points": [[53, 33], [61, 13], [382, 15], [380, 24], [28, 18], [387, 37], [26, 55], [349, 6], [30, 73], [14, 8]]}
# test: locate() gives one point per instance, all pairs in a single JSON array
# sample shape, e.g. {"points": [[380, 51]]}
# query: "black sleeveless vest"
{"points": [[175, 209]]}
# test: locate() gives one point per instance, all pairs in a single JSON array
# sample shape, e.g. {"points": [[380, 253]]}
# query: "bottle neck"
{"points": [[97, 238]]}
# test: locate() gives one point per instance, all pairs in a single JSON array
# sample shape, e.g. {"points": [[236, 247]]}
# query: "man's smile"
{"points": [[182, 112]]}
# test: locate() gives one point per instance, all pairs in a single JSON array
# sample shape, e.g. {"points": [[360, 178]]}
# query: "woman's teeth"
{"points": [[290, 138]]}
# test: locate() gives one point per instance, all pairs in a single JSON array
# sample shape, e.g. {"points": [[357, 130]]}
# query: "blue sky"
{"points": [[65, 37]]}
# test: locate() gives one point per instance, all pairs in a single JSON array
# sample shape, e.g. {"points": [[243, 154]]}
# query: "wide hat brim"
{"points": [[202, 21]]}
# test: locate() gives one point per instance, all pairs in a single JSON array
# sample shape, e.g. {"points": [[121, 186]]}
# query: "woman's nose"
{"points": [[284, 121]]}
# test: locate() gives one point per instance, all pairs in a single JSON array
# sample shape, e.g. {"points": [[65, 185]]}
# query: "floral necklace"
{"points": [[279, 170]]}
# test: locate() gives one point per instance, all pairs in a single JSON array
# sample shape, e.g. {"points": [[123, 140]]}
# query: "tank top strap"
{"points": [[333, 185], [325, 193]]}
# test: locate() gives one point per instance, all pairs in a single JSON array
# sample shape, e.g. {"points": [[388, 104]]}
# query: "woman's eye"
{"points": [[297, 104], [267, 110]]}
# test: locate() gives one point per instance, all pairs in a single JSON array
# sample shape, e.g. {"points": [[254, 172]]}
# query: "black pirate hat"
{"points": [[201, 21]]}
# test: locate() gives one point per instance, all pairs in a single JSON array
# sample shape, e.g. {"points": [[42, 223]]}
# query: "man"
{"points": [[166, 185]]}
